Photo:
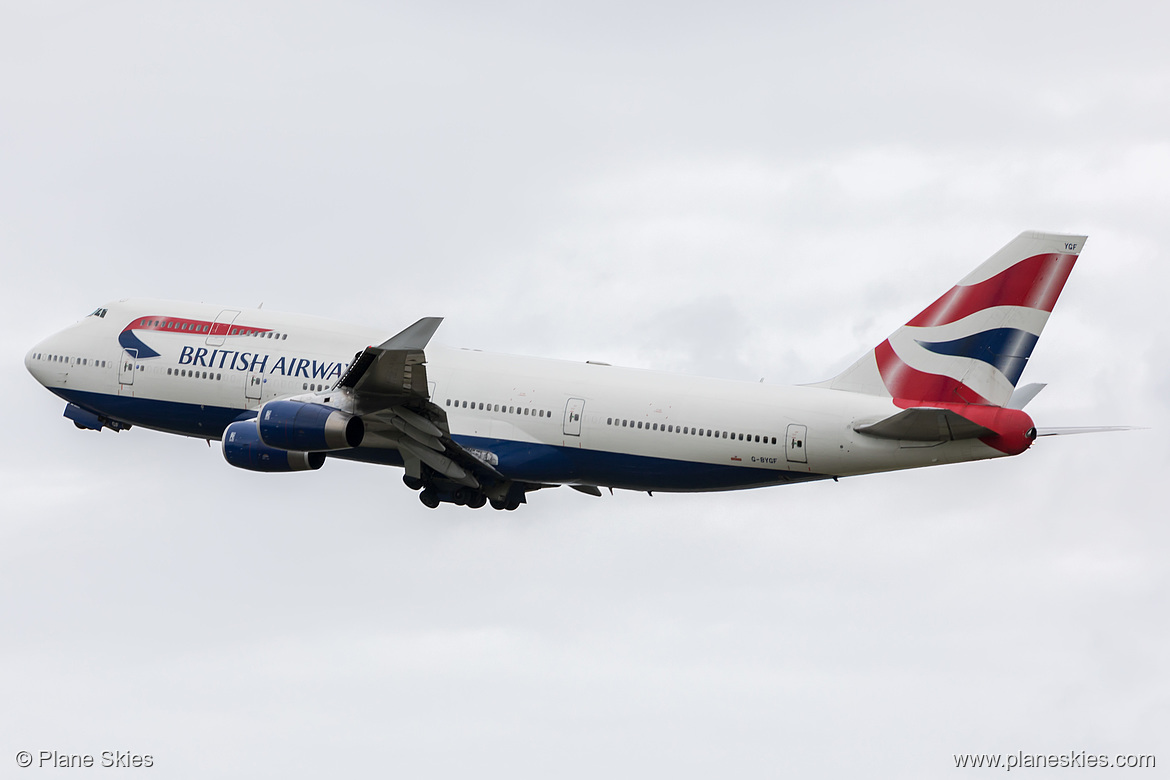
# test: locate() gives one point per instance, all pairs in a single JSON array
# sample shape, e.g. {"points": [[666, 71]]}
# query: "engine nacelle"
{"points": [[293, 425], [243, 449]]}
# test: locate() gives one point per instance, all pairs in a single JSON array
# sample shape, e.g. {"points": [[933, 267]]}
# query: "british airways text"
{"points": [[254, 361]]}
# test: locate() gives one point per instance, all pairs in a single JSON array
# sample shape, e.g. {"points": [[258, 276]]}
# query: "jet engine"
{"points": [[294, 425], [243, 448]]}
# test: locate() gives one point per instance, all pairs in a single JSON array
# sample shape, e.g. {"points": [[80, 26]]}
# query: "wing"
{"points": [[391, 394]]}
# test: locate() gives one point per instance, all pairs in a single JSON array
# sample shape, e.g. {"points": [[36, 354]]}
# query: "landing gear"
{"points": [[433, 495], [433, 492]]}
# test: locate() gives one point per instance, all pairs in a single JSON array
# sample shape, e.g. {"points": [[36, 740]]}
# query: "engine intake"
{"points": [[293, 425], [243, 449]]}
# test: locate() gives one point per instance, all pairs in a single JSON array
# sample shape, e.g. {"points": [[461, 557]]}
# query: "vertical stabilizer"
{"points": [[972, 344]]}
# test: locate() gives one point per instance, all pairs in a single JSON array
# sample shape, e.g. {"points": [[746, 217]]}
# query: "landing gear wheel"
{"points": [[496, 504], [429, 498], [512, 505], [414, 483], [476, 501]]}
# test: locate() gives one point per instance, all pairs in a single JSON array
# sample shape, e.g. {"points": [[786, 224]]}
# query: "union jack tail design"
{"points": [[971, 345]]}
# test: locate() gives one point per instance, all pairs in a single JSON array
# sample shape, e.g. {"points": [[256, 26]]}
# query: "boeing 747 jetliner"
{"points": [[286, 392]]}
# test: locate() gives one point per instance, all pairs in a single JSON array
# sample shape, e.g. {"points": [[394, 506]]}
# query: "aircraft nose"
{"points": [[31, 363], [36, 361]]}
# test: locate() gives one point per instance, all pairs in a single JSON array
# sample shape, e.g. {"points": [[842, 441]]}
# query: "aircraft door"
{"points": [[795, 444], [221, 327], [254, 385], [573, 410], [126, 367]]}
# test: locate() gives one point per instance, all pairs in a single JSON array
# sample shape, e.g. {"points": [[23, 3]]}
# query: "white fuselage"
{"points": [[194, 368]]}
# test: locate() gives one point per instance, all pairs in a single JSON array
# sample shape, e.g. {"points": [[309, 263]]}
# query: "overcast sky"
{"points": [[739, 189]]}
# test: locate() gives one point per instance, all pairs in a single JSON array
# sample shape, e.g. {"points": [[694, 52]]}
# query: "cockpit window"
{"points": [[99, 313]]}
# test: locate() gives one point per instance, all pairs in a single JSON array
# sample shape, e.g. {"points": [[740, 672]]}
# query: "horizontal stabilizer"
{"points": [[1089, 429], [924, 424]]}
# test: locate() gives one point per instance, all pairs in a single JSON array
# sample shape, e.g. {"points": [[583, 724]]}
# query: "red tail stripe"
{"points": [[1034, 283], [902, 381]]}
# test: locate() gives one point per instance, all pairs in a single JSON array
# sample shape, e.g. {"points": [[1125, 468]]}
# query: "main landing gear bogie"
{"points": [[431, 495]]}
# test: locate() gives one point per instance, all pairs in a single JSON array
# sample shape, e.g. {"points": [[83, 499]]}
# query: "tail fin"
{"points": [[971, 345]]}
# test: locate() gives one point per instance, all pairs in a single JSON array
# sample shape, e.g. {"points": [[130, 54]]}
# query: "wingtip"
{"points": [[417, 336]]}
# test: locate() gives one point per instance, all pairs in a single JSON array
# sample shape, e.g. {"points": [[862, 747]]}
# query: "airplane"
{"points": [[286, 392]]}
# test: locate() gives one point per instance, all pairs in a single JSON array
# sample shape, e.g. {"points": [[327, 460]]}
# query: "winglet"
{"points": [[387, 368], [417, 336]]}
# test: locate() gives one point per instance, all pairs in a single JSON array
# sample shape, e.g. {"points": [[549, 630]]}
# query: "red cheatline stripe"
{"points": [[1033, 283], [902, 381], [175, 325]]}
